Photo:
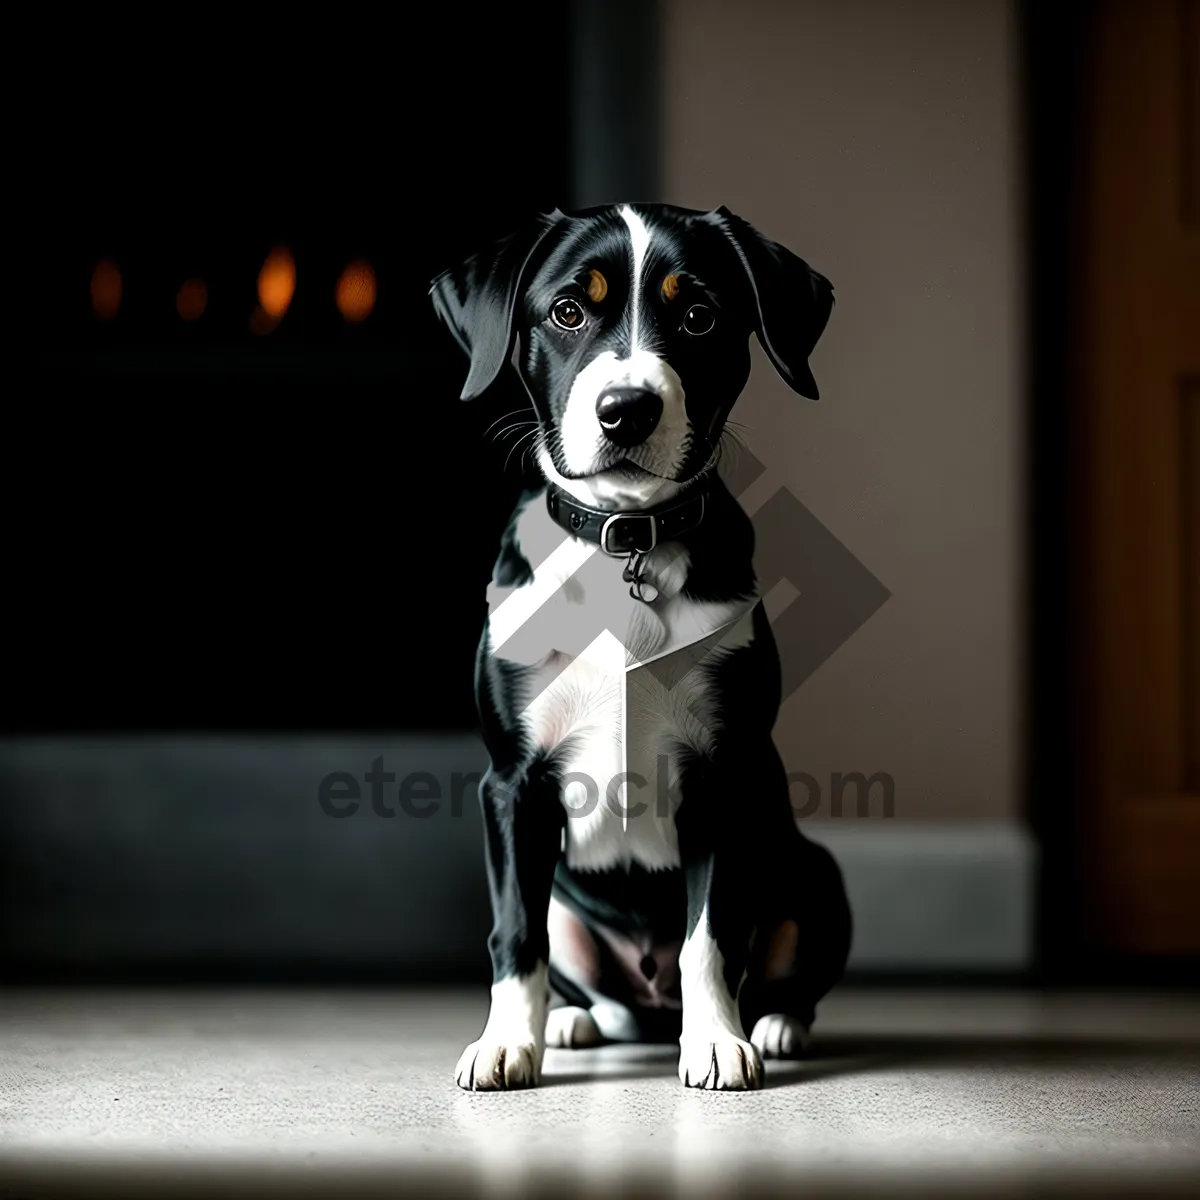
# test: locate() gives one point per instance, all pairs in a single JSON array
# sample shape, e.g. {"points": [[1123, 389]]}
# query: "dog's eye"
{"points": [[699, 319], [567, 314]]}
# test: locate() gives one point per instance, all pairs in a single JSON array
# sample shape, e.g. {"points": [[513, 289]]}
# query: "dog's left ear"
{"points": [[478, 301], [793, 302]]}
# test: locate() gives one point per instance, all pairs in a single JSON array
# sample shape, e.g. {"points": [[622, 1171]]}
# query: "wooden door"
{"points": [[1138, 392]]}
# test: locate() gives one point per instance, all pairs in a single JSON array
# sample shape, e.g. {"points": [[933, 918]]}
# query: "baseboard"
{"points": [[164, 854], [933, 897]]}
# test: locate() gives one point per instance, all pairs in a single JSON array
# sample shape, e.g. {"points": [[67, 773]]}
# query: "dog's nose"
{"points": [[628, 415]]}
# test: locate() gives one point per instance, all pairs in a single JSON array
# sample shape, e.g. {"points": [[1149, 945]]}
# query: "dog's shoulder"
{"points": [[533, 550], [513, 568]]}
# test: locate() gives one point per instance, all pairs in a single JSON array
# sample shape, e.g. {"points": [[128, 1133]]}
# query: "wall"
{"points": [[877, 140]]}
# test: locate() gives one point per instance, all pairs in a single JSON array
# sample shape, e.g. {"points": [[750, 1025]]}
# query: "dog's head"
{"points": [[634, 326]]}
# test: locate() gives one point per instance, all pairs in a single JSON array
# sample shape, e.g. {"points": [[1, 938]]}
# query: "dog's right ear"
{"points": [[478, 301]]}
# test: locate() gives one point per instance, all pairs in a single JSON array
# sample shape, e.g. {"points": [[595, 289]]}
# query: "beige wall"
{"points": [[877, 140]]}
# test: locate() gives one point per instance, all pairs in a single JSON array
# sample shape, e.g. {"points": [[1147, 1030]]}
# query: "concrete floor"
{"points": [[218, 1093]]}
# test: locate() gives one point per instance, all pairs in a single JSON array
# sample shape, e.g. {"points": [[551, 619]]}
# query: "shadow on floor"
{"points": [[837, 1057]]}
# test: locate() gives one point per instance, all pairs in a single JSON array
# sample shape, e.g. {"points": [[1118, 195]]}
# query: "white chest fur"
{"points": [[621, 689]]}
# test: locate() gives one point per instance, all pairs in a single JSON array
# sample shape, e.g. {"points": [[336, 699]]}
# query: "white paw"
{"points": [[719, 1063], [571, 1028], [779, 1036], [487, 1066]]}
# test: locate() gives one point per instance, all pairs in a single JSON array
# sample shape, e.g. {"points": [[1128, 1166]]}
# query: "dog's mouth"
{"points": [[623, 472], [618, 482], [617, 466], [628, 470]]}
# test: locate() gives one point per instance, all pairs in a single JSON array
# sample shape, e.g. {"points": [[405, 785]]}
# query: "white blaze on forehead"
{"points": [[639, 240]]}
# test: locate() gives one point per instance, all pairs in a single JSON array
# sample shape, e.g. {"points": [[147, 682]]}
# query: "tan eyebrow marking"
{"points": [[597, 286], [670, 287]]}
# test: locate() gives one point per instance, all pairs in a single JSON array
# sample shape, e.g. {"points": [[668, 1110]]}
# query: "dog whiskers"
{"points": [[534, 449], [513, 428], [527, 426], [523, 438], [516, 412], [715, 454], [731, 443]]}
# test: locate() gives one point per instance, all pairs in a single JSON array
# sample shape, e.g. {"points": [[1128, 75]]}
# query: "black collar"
{"points": [[623, 533]]}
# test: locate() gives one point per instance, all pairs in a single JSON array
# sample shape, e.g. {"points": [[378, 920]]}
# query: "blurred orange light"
{"points": [[192, 299], [355, 292], [106, 289], [277, 282]]}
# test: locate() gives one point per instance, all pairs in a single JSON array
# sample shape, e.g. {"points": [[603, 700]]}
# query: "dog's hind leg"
{"points": [[595, 1002], [799, 950], [571, 1027]]}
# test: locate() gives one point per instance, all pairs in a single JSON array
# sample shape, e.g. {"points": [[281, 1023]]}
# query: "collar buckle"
{"points": [[619, 544]]}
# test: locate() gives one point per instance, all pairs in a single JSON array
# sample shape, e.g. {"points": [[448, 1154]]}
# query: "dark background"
{"points": [[238, 562], [225, 530]]}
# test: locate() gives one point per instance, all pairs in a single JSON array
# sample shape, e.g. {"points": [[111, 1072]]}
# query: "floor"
{"points": [[917, 1092]]}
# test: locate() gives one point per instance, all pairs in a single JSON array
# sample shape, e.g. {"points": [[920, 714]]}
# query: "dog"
{"points": [[647, 877]]}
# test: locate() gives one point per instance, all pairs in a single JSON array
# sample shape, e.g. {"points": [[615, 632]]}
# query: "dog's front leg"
{"points": [[523, 822], [714, 1051]]}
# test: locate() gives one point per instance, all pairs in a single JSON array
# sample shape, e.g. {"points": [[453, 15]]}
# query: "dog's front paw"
{"points": [[720, 1062], [779, 1036], [571, 1028], [488, 1066]]}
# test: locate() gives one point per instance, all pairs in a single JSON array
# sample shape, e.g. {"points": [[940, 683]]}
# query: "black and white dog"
{"points": [[643, 859]]}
